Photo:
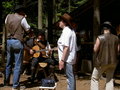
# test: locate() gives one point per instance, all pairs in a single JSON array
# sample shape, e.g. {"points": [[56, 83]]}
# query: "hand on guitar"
{"points": [[32, 51], [55, 49], [39, 44]]}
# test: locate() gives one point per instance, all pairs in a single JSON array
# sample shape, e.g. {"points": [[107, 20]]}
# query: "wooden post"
{"points": [[96, 19], [54, 11], [69, 9], [3, 46], [40, 14], [1, 15], [50, 20]]}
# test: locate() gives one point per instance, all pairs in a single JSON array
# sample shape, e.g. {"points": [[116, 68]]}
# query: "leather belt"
{"points": [[13, 38]]}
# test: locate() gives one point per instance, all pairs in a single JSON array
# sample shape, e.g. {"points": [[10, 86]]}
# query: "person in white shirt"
{"points": [[67, 48]]}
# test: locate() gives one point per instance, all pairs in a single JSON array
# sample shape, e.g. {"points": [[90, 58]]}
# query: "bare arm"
{"points": [[41, 45], [118, 47], [97, 45], [65, 53], [25, 25]]}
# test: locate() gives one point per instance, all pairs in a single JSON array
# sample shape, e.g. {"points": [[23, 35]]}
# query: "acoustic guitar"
{"points": [[37, 51]]}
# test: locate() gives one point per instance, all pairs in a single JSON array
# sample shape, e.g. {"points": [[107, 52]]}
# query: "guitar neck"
{"points": [[45, 50], [41, 50]]}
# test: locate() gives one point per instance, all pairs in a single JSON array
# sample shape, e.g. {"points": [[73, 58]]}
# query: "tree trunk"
{"points": [[96, 19], [69, 9], [1, 15], [25, 3], [3, 47], [40, 14], [50, 20], [54, 12]]}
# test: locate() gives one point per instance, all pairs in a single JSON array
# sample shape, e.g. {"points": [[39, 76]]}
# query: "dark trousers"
{"points": [[34, 65]]}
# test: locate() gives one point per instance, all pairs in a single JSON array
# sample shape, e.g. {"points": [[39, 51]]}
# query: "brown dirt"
{"points": [[82, 83]]}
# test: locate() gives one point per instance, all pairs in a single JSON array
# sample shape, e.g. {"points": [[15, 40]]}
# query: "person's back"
{"points": [[16, 25], [13, 26], [108, 50]]}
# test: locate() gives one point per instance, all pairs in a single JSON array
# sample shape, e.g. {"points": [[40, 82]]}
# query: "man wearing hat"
{"points": [[16, 25], [67, 48], [106, 50]]}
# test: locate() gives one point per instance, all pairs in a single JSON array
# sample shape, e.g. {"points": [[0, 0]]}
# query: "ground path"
{"points": [[82, 83]]}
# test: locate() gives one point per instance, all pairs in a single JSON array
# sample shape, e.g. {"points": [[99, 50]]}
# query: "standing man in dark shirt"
{"points": [[16, 25]]}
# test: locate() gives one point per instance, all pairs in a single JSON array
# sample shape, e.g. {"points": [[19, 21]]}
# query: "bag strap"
{"points": [[17, 27]]}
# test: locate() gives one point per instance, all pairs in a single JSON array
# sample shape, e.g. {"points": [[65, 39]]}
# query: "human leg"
{"points": [[34, 68], [70, 77], [50, 67], [28, 70], [95, 78], [26, 66], [8, 63], [109, 77], [18, 53]]}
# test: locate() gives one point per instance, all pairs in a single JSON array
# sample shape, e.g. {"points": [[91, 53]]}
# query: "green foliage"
{"points": [[33, 25], [81, 2], [7, 4], [62, 5], [7, 7]]}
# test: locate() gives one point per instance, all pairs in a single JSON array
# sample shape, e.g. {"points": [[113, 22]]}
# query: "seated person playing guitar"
{"points": [[28, 44], [41, 52]]}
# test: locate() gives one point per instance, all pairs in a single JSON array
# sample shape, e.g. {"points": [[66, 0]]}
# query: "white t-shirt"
{"points": [[68, 38]]}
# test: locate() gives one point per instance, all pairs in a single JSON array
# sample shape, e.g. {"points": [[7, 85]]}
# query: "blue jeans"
{"points": [[14, 56], [70, 77]]}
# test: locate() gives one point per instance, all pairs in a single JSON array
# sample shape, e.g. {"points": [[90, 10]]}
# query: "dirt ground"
{"points": [[82, 83]]}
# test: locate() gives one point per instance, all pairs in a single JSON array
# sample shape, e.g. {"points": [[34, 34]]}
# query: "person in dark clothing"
{"points": [[42, 56], [27, 57]]}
